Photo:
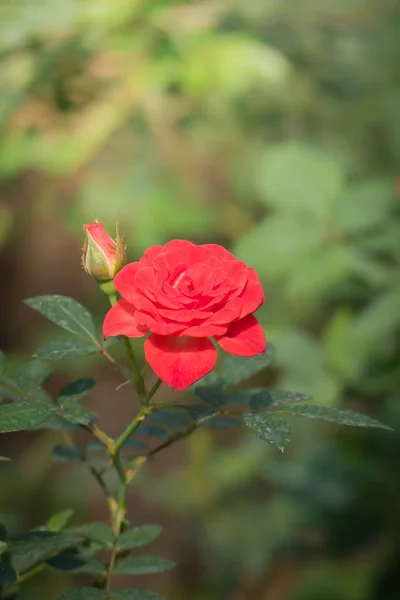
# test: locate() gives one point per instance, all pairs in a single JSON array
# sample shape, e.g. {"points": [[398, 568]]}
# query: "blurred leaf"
{"points": [[66, 561], [222, 422], [66, 349], [235, 369], [90, 566], [136, 594], [65, 453], [294, 176], [345, 350], [76, 414], [142, 565], [212, 396], [65, 312], [38, 546], [2, 362], [5, 459], [9, 390], [25, 415], [7, 574], [261, 400], [334, 415], [98, 532], [269, 427], [85, 593], [3, 547], [60, 519], [33, 375], [201, 414], [380, 318], [139, 536], [152, 430], [76, 390], [173, 417]]}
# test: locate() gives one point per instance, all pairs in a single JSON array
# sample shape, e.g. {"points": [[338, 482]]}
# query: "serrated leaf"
{"points": [[222, 423], [264, 399], [33, 375], [212, 396], [153, 430], [26, 415], [136, 594], [38, 546], [269, 427], [173, 417], [85, 593], [201, 414], [235, 369], [7, 574], [334, 415], [2, 362], [66, 349], [76, 390], [66, 561], [143, 565], [59, 520], [100, 533], [65, 453], [76, 414], [66, 313], [139, 536]]}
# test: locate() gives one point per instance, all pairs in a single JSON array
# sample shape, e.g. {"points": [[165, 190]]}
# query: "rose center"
{"points": [[175, 281]]}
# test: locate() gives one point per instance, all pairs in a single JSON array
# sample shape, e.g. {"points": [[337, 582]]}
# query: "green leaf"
{"points": [[293, 176], [101, 533], [136, 594], [235, 369], [3, 547], [2, 362], [261, 401], [66, 561], [65, 453], [85, 593], [333, 415], [76, 414], [269, 427], [33, 375], [10, 390], [66, 349], [26, 415], [173, 417], [90, 566], [65, 312], [7, 574], [76, 390], [213, 396], [139, 536], [153, 430], [222, 423], [143, 565], [201, 414], [59, 520], [38, 546], [277, 397]]}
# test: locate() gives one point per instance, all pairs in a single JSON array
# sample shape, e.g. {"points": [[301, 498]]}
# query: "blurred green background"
{"points": [[273, 128]]}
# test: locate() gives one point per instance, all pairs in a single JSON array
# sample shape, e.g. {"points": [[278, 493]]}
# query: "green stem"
{"points": [[140, 387]]}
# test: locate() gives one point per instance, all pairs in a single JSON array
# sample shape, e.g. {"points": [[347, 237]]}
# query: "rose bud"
{"points": [[102, 256]]}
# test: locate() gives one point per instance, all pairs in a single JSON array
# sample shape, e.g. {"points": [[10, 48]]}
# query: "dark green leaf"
{"points": [[213, 396], [90, 566], [66, 561], [261, 400], [222, 422], [76, 414], [3, 547], [66, 349], [283, 397], [25, 415], [65, 453], [139, 536], [76, 390], [3, 532], [269, 427], [98, 532], [143, 565], [152, 430], [59, 520], [9, 390], [201, 413], [65, 312], [136, 594], [334, 415], [85, 593], [38, 546], [33, 375], [173, 417], [2, 362], [7, 574], [235, 369]]}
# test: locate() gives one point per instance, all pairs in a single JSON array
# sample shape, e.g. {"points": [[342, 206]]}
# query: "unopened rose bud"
{"points": [[102, 256]]}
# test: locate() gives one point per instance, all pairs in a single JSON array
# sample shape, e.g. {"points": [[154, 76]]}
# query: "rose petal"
{"points": [[120, 320], [253, 294], [124, 281], [244, 338], [180, 361]]}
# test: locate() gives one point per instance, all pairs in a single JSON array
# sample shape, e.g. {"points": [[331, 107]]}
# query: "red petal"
{"points": [[120, 320], [244, 338], [180, 361], [253, 294], [124, 281]]}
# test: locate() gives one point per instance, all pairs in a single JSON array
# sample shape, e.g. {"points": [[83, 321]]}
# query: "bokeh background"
{"points": [[273, 128]]}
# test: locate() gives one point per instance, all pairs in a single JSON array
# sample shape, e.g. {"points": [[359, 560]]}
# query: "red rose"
{"points": [[184, 294], [102, 256]]}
